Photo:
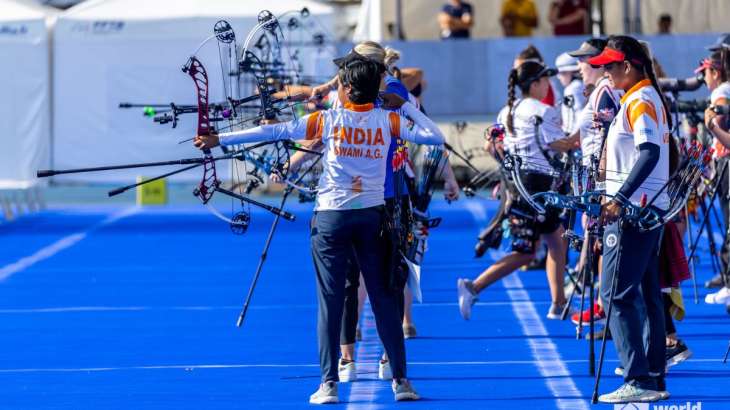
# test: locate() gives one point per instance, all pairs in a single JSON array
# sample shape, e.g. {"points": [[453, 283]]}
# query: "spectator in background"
{"points": [[569, 17], [665, 24], [456, 19], [518, 18]]}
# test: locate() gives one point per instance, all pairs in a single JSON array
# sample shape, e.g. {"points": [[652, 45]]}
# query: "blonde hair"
{"points": [[374, 51]]}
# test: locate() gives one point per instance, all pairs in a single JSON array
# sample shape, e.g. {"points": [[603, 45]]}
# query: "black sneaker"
{"points": [[678, 353], [715, 283]]}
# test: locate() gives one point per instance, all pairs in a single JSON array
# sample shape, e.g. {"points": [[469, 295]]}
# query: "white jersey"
{"points": [[523, 142], [641, 119], [572, 104], [721, 92], [604, 103], [356, 140]]}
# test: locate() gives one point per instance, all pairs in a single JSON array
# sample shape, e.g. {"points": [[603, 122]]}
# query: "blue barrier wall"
{"points": [[467, 78]]}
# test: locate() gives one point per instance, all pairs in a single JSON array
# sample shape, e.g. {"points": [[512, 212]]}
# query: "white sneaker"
{"points": [[347, 371], [326, 394], [403, 390], [720, 297], [467, 297], [629, 393], [556, 311], [384, 372]]}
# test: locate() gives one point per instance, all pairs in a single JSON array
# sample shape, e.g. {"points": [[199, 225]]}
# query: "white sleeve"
{"points": [[297, 129], [420, 129], [552, 127]]}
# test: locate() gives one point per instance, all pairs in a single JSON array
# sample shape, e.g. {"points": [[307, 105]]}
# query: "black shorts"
{"points": [[524, 225]]}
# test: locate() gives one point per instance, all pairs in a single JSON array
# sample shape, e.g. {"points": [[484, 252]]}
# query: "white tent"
{"points": [[25, 81], [112, 51]]}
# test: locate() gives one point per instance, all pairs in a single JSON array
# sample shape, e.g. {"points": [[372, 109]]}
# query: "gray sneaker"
{"points": [[467, 297], [404, 391], [326, 394], [630, 393]]}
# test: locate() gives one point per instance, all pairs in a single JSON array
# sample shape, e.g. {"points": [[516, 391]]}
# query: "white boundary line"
{"points": [[298, 365], [362, 391], [548, 360], [85, 309], [63, 243]]}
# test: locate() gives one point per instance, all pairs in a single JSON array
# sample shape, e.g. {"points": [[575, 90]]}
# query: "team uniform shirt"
{"points": [[392, 86], [641, 119], [572, 106], [523, 142], [603, 103], [356, 139], [721, 92]]}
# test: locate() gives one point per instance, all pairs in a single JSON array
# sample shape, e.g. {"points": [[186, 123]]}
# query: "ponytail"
{"points": [[649, 71], [511, 84], [725, 61]]}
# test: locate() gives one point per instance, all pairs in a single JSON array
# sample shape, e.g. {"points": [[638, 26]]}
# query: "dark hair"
{"points": [[530, 53], [665, 18], [721, 62], [639, 58], [363, 76], [598, 43], [523, 76]]}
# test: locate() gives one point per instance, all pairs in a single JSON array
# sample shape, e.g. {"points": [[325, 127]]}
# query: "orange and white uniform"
{"points": [[640, 119], [356, 140]]}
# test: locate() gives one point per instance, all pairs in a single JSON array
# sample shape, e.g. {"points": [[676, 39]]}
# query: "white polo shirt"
{"points": [[641, 119], [523, 142]]}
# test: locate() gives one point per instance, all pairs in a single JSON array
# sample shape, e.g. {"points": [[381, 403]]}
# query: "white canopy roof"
{"points": [[171, 9]]}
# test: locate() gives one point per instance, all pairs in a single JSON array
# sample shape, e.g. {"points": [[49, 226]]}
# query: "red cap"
{"points": [[607, 56], [707, 63]]}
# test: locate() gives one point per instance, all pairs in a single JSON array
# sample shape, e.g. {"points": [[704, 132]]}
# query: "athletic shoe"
{"points": [[720, 297], [556, 311], [347, 371], [404, 391], [715, 283], [630, 393], [384, 372], [467, 297], [326, 394], [599, 316], [409, 331], [678, 353]]}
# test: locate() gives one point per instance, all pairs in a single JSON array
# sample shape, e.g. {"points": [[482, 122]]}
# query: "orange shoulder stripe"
{"points": [[394, 124], [637, 108], [314, 126]]}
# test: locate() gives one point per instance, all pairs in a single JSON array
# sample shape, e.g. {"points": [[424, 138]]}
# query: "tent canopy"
{"points": [[25, 112], [175, 9]]}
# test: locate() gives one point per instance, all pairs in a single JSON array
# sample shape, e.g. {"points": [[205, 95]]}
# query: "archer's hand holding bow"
{"points": [[206, 141]]}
